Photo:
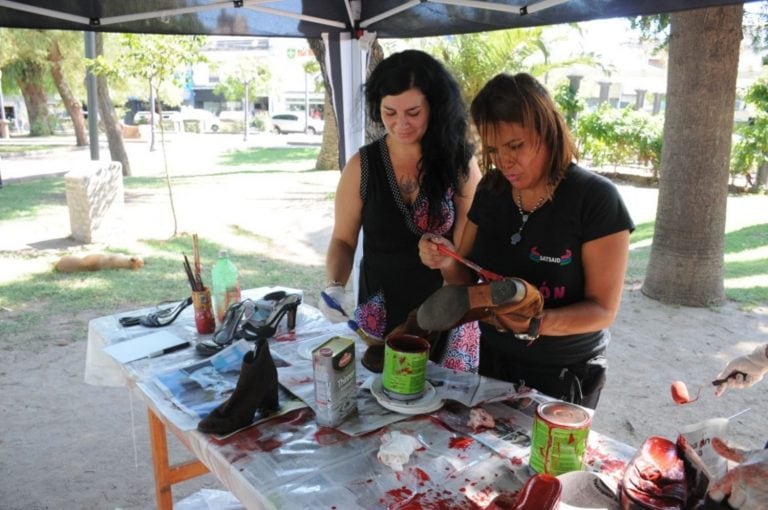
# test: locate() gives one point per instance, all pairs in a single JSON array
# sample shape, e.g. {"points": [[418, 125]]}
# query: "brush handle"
{"points": [[484, 273], [718, 382], [333, 304]]}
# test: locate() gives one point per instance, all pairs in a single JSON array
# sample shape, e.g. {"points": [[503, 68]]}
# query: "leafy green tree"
{"points": [[240, 79], [569, 102], [475, 58], [751, 150], [621, 136], [156, 59]]}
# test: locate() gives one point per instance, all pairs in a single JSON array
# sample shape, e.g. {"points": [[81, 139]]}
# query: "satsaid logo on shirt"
{"points": [[561, 260]]}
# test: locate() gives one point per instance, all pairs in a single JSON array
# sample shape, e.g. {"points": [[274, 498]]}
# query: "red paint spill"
{"points": [[327, 436], [460, 443], [287, 337], [268, 445], [421, 475]]}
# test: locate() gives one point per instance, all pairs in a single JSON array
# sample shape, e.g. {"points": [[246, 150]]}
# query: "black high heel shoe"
{"points": [[256, 390], [227, 332], [288, 306], [238, 317], [159, 318]]}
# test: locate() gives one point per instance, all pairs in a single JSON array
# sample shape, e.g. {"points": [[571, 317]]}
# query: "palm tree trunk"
{"points": [[686, 262]]}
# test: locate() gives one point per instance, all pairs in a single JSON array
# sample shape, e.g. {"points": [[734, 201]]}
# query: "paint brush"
{"points": [[354, 326], [486, 275]]}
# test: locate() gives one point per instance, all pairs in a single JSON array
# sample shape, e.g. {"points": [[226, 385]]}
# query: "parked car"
{"points": [[142, 117], [295, 123], [208, 121]]}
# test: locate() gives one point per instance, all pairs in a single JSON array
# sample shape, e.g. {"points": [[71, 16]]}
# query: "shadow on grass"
{"points": [[25, 199], [748, 238], [34, 299]]}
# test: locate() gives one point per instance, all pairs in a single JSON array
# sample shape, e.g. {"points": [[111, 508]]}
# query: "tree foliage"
{"points": [[39, 62], [653, 29], [233, 78], [751, 148], [621, 136], [570, 104], [475, 58]]}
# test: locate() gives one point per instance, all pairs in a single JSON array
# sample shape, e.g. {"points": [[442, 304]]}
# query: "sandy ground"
{"points": [[65, 444]]}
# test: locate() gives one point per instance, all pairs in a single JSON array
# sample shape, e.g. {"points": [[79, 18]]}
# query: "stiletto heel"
{"points": [[227, 332], [288, 306], [292, 318], [241, 318]]}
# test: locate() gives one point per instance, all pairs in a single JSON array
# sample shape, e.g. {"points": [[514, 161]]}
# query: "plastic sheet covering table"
{"points": [[289, 462]]}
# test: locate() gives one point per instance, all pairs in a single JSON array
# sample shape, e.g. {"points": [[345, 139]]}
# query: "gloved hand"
{"points": [[754, 365], [336, 293], [745, 485]]}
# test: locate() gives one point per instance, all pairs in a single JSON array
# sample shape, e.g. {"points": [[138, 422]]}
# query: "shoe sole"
{"points": [[445, 308]]}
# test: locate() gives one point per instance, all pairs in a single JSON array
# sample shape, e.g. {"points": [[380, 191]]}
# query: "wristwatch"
{"points": [[533, 330]]}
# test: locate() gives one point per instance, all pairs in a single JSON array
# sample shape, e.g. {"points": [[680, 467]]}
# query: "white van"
{"points": [[294, 123]]}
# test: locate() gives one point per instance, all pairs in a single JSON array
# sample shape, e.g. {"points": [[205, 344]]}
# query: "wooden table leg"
{"points": [[165, 474]]}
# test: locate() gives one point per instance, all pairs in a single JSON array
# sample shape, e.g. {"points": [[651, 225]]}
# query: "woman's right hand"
{"points": [[429, 254]]}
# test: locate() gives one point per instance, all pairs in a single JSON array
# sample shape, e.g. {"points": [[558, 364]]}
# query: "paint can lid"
{"points": [[564, 414]]}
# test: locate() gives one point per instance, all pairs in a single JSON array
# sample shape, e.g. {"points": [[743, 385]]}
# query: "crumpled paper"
{"points": [[396, 449]]}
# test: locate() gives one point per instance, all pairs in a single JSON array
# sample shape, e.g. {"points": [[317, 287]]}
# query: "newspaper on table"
{"points": [[298, 377], [198, 388]]}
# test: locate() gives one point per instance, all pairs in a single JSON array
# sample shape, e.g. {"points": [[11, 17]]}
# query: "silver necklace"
{"points": [[518, 236]]}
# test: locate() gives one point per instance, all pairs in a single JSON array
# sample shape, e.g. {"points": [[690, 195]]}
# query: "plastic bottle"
{"points": [[225, 281]]}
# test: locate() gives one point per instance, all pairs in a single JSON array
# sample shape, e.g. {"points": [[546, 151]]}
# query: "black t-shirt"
{"points": [[585, 206]]}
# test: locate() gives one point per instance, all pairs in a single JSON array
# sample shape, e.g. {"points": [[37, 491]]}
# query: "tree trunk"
{"points": [[30, 82], [686, 261], [328, 159], [74, 109], [375, 56], [109, 117], [761, 181]]}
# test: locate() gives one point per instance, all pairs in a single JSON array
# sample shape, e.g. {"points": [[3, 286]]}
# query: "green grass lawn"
{"points": [[50, 292], [736, 242]]}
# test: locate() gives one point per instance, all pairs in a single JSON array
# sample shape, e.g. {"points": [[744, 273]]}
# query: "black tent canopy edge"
{"points": [[311, 18]]}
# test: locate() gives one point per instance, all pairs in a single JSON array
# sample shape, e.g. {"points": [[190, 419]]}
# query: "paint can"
{"points": [[405, 367], [559, 438], [333, 363]]}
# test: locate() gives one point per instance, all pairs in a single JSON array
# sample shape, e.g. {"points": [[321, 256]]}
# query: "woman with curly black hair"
{"points": [[418, 178]]}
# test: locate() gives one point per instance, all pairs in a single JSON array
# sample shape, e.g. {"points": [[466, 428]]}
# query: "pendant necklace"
{"points": [[517, 236]]}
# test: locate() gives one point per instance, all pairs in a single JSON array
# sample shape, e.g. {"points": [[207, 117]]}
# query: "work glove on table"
{"points": [[333, 313], [745, 485], [744, 371]]}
